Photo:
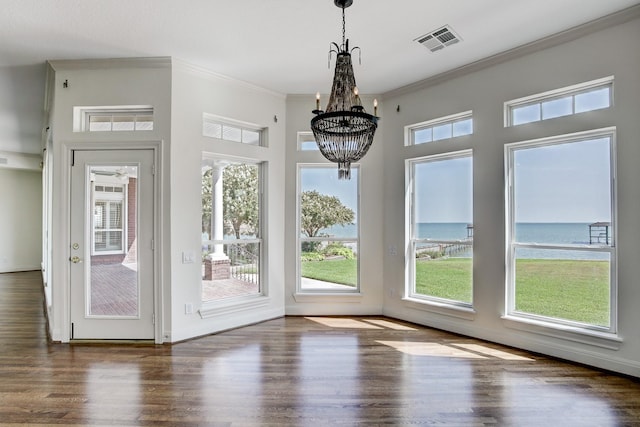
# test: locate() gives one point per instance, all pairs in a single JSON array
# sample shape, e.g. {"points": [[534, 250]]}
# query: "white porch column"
{"points": [[217, 224]]}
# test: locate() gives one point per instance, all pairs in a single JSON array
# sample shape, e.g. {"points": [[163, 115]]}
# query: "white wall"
{"points": [[371, 219], [484, 91], [21, 107], [20, 220], [144, 81], [194, 92]]}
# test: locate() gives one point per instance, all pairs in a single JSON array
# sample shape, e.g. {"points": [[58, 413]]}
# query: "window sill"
{"points": [[214, 309], [326, 297], [466, 313], [571, 333]]}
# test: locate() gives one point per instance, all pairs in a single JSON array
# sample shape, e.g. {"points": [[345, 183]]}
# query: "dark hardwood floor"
{"points": [[293, 371]]}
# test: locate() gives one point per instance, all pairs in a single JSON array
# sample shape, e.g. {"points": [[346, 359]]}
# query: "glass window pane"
{"points": [[442, 132], [444, 271], [212, 130], [306, 141], [563, 284], [144, 123], [231, 133], [525, 114], [561, 189], [557, 108], [329, 206], [420, 136], [328, 265], [442, 205], [250, 137], [593, 100], [463, 127], [123, 123], [235, 273], [99, 123], [443, 198]]}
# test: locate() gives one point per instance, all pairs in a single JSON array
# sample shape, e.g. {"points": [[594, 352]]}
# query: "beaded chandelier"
{"points": [[344, 131]]}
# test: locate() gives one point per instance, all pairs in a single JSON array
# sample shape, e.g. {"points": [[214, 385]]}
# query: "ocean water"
{"points": [[552, 233]]}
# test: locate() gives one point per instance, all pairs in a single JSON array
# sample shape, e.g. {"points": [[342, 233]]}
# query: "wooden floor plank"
{"points": [[293, 371]]}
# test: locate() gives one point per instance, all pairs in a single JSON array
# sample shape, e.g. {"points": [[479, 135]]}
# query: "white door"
{"points": [[111, 262]]}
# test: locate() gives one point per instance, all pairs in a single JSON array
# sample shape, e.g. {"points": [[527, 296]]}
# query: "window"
{"points": [[589, 96], [441, 228], [231, 229], [307, 141], [230, 130], [109, 211], [439, 129], [328, 230], [561, 251], [113, 119]]}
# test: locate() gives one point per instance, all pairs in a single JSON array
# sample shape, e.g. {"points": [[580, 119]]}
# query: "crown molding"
{"points": [[95, 64], [562, 37], [211, 75]]}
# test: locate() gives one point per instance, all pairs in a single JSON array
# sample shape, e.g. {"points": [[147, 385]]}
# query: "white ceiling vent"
{"points": [[439, 39]]}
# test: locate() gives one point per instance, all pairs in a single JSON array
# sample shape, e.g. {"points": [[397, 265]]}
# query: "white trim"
{"points": [[565, 332], [314, 296], [233, 305], [452, 310]]}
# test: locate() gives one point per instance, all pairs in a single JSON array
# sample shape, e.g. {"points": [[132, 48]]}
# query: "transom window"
{"points": [[441, 228], [113, 119], [307, 142], [439, 129], [589, 96], [561, 252], [227, 130]]}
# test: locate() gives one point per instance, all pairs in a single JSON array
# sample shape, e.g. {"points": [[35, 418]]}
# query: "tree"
{"points": [[321, 211], [239, 198]]}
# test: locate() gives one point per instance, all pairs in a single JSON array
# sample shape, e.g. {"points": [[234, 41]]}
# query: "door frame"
{"points": [[64, 229]]}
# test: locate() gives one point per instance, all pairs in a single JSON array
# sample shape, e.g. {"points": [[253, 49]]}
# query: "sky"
{"points": [[325, 180], [556, 183]]}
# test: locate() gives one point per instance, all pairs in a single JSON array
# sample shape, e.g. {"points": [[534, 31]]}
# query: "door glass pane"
{"points": [[112, 287]]}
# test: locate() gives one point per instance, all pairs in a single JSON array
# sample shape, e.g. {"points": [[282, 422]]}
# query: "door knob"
{"points": [[75, 259]]}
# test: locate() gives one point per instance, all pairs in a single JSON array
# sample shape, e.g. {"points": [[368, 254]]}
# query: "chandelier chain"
{"points": [[344, 31]]}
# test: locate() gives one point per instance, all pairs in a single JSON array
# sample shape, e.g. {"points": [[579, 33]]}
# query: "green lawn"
{"points": [[342, 271], [565, 289]]}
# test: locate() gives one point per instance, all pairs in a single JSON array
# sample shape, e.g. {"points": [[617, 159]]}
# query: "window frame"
{"points": [[299, 239], [540, 98], [412, 240], [451, 120], [511, 244]]}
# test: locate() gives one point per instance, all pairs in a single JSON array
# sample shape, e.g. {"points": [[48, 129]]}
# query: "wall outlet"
{"points": [[188, 308], [393, 250]]}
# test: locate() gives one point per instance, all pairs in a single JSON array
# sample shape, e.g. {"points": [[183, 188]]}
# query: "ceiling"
{"points": [[283, 45]]}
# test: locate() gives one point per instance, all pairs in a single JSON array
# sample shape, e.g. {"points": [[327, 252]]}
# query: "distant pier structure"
{"points": [[599, 233]]}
